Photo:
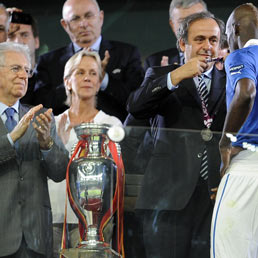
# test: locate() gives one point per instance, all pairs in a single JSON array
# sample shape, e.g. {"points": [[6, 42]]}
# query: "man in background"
{"points": [[4, 23], [82, 20], [178, 10], [23, 29]]}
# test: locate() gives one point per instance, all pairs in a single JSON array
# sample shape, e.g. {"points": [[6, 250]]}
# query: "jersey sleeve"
{"points": [[241, 64]]}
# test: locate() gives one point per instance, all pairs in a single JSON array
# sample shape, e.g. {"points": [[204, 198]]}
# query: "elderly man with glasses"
{"points": [[30, 152]]}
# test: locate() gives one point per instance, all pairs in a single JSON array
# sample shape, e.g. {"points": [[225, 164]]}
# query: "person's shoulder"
{"points": [[118, 44], [155, 58], [26, 108], [242, 55], [155, 71], [104, 118], [253, 49], [58, 117], [56, 52], [167, 52]]}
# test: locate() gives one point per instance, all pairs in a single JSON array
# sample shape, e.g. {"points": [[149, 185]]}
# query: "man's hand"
{"points": [[104, 63], [227, 152], [195, 66], [225, 149], [13, 9], [42, 128], [214, 193], [63, 132], [20, 129]]}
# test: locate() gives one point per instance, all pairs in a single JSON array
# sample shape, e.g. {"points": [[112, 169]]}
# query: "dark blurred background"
{"points": [[143, 23]]}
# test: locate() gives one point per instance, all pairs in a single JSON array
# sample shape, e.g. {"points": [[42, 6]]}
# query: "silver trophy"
{"points": [[92, 184]]}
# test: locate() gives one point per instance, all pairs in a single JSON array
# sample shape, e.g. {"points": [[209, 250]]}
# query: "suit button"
{"points": [[199, 155], [21, 178]]}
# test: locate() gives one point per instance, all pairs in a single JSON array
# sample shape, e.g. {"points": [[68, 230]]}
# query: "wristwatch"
{"points": [[49, 144]]}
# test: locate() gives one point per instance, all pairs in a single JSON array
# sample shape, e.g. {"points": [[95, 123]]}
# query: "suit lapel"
{"points": [[104, 45], [217, 88], [189, 85], [67, 53], [22, 111], [218, 85], [3, 129]]}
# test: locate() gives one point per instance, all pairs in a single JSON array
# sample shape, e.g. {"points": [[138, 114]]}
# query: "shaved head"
{"points": [[69, 3], [246, 12], [242, 25], [82, 20]]}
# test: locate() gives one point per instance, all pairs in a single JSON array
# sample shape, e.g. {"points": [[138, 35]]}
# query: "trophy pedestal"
{"points": [[88, 253]]}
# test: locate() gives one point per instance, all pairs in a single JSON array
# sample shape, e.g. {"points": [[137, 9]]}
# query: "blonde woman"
{"points": [[82, 79]]}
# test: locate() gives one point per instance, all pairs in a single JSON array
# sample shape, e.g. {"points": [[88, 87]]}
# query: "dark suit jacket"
{"points": [[24, 198], [124, 70], [155, 59], [173, 171], [29, 97]]}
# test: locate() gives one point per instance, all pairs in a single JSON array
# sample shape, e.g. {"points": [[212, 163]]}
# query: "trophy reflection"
{"points": [[95, 184]]}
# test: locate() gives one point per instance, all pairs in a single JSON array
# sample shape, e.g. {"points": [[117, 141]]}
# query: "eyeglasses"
{"points": [[18, 69], [77, 19]]}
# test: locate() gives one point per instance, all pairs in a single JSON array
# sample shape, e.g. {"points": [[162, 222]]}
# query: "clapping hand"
{"points": [[63, 130], [42, 127], [104, 63], [20, 129]]}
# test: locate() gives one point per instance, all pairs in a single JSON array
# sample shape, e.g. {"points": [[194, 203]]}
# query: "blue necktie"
{"points": [[10, 122]]}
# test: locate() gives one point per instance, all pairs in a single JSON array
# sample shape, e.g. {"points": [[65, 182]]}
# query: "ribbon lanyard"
{"points": [[207, 119]]}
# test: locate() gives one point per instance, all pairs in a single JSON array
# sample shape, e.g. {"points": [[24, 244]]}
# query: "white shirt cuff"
{"points": [[104, 82], [170, 84], [10, 139]]}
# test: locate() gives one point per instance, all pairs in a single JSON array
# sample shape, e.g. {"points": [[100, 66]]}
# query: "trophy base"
{"points": [[89, 253]]}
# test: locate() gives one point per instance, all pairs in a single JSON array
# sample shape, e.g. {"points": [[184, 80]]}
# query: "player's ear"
{"points": [[236, 29]]}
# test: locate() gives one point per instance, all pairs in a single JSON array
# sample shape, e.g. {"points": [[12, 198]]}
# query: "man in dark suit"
{"points": [[178, 10], [82, 20], [23, 29], [184, 164], [30, 152]]}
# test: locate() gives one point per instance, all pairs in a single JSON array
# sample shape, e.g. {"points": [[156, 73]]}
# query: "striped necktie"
{"points": [[10, 123], [202, 89], [203, 92]]}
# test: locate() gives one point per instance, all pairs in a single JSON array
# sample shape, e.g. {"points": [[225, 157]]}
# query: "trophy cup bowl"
{"points": [[92, 179]]}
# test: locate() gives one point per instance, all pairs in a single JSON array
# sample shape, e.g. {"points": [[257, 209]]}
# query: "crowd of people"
{"points": [[199, 187]]}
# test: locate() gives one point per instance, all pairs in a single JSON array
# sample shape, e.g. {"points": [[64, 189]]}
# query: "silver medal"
{"points": [[206, 134]]}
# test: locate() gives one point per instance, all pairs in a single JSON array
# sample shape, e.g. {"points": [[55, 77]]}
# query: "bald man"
{"points": [[82, 20], [234, 232]]}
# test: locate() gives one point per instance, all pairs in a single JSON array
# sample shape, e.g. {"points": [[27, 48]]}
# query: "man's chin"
{"points": [[209, 66], [19, 94], [85, 40]]}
